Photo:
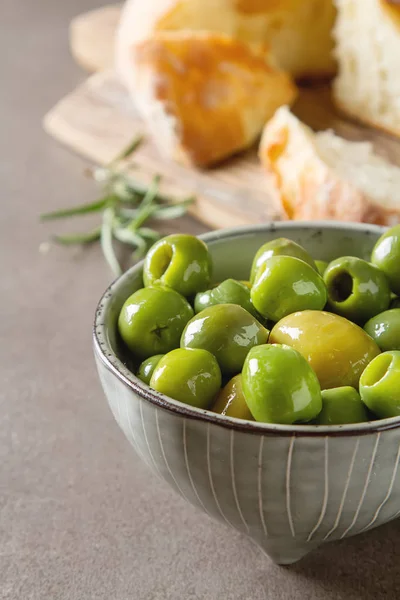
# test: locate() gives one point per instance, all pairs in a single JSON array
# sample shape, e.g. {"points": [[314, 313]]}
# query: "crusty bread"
{"points": [[204, 96], [323, 176], [297, 31], [367, 88]]}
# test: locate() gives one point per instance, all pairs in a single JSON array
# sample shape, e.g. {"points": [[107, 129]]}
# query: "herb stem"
{"points": [[78, 238], [81, 209], [106, 240]]}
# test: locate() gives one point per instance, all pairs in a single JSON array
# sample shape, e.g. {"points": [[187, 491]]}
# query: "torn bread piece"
{"points": [[205, 96], [367, 36], [323, 176], [298, 32]]}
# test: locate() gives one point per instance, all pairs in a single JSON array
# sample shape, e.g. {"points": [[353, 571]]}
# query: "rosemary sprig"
{"points": [[126, 206]]}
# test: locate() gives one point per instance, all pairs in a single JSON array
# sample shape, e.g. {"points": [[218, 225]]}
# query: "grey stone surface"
{"points": [[81, 517]]}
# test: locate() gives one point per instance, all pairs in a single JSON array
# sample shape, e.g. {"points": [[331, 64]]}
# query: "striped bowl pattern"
{"points": [[288, 488]]}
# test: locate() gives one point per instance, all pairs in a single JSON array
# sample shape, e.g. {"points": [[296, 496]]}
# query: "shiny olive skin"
{"points": [[284, 285], [280, 386], [337, 349], [279, 247], [229, 291], [380, 385], [179, 261], [385, 329], [228, 331], [231, 401], [321, 266], [341, 406], [357, 289], [146, 369], [386, 256], [151, 321], [191, 376]]}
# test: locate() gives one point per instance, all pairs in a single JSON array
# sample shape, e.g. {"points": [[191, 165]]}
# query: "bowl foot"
{"points": [[285, 551]]}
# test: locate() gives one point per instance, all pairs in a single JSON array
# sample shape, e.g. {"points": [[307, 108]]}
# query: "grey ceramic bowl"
{"points": [[289, 488]]}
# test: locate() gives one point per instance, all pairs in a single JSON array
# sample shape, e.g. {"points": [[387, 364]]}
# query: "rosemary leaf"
{"points": [[125, 235], [134, 145], [81, 209], [140, 252], [174, 211], [147, 207], [133, 238], [149, 234], [106, 239], [125, 192], [152, 193], [78, 238], [128, 213]]}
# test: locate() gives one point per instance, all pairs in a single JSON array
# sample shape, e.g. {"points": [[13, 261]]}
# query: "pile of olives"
{"points": [[302, 341]]}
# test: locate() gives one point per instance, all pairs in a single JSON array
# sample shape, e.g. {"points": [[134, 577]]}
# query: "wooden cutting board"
{"points": [[98, 121]]}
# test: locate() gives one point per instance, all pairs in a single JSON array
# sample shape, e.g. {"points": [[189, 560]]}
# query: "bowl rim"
{"points": [[110, 360]]}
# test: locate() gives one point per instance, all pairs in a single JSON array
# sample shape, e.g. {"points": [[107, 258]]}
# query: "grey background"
{"points": [[80, 516]]}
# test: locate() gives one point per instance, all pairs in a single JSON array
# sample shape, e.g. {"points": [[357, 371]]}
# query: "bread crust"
{"points": [[307, 187], [209, 94], [304, 23]]}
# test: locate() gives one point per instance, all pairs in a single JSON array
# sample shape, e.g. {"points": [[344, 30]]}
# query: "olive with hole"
{"points": [[279, 247], [357, 289], [179, 261], [336, 349], [380, 385]]}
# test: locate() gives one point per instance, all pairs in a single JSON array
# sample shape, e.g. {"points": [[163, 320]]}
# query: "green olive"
{"points": [[231, 401], [179, 261], [357, 289], [385, 329], [191, 376], [395, 302], [284, 285], [337, 349], [228, 331], [321, 266], [280, 386], [341, 406], [229, 291], [279, 247], [152, 320], [380, 385], [386, 256], [146, 369]]}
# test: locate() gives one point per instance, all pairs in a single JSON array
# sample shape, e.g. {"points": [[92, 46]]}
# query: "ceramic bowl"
{"points": [[289, 488]]}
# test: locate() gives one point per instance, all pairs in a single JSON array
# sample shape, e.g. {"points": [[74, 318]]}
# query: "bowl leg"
{"points": [[285, 551]]}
